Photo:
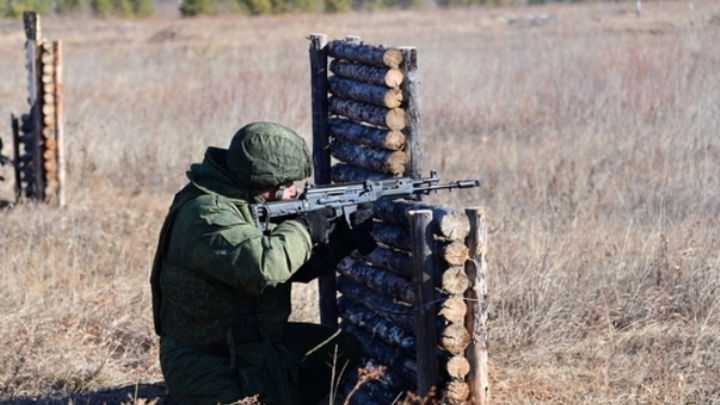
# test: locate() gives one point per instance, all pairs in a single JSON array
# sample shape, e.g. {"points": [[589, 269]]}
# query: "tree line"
{"points": [[189, 8], [99, 8]]}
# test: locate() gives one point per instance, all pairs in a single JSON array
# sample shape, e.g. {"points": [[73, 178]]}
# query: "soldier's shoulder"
{"points": [[217, 210]]}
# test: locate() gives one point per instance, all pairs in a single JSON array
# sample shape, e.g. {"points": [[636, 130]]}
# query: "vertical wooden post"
{"points": [[410, 91], [15, 122], [321, 157], [425, 314], [60, 129], [477, 297], [31, 22]]}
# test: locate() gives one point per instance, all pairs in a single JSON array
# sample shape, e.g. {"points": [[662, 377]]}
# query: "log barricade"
{"points": [[418, 302], [377, 138], [38, 134]]}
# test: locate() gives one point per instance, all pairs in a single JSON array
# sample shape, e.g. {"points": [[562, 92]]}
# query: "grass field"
{"points": [[596, 135]]}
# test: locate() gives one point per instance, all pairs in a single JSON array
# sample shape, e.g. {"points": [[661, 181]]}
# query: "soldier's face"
{"points": [[271, 194], [290, 191]]}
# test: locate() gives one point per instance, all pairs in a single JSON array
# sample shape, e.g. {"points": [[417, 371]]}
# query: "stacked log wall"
{"points": [[367, 109], [405, 300]]}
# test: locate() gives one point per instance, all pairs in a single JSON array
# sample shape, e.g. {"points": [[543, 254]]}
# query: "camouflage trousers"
{"points": [[295, 371]]}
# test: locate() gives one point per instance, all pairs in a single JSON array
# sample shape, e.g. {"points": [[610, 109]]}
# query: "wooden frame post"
{"points": [[477, 296], [425, 313], [31, 22], [410, 88], [59, 125], [15, 123], [321, 158]]}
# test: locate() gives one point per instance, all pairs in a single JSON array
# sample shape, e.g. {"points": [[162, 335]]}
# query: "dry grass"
{"points": [[595, 135]]}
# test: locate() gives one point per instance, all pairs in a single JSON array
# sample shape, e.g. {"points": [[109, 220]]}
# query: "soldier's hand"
{"points": [[316, 223], [361, 222], [361, 219], [357, 234]]}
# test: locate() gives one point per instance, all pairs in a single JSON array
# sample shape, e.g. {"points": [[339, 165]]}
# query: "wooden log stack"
{"points": [[38, 134], [369, 110], [407, 300], [381, 297]]}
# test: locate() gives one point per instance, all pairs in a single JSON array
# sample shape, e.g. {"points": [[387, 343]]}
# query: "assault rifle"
{"points": [[344, 198]]}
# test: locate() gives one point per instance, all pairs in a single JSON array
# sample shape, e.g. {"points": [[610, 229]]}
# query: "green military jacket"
{"points": [[216, 277]]}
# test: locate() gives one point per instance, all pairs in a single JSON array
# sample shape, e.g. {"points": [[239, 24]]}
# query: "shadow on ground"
{"points": [[129, 395]]}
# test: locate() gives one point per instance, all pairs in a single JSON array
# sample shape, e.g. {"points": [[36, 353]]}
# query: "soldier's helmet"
{"points": [[266, 154]]}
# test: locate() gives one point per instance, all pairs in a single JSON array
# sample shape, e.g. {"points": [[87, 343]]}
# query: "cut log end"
{"points": [[457, 392], [455, 281], [50, 165], [455, 253], [455, 225], [393, 98], [454, 309], [455, 338], [395, 119], [394, 140], [394, 78], [393, 58], [397, 163], [458, 367]]}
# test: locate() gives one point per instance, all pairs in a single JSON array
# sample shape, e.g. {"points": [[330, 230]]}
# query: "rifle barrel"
{"points": [[467, 183]]}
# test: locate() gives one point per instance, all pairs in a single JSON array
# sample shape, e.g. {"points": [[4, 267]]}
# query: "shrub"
{"points": [[258, 7], [15, 8], [101, 8], [189, 8], [143, 8], [66, 6], [337, 6], [307, 5], [123, 8]]}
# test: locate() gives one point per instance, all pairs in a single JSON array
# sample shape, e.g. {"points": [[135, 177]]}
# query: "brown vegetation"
{"points": [[595, 134]]}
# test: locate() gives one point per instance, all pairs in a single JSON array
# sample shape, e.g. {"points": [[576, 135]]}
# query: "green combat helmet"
{"points": [[265, 154]]}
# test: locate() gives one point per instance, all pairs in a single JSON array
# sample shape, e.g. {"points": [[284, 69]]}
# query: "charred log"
{"points": [[393, 118], [373, 55], [446, 222], [393, 162], [380, 96], [453, 253], [384, 306], [378, 279], [388, 332], [345, 173], [390, 77], [378, 138]]}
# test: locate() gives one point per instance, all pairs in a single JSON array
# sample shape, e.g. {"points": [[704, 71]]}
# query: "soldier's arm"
{"points": [[221, 243]]}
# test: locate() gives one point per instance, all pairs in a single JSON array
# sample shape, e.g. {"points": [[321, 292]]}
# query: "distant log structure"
{"points": [[38, 134], [407, 300]]}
